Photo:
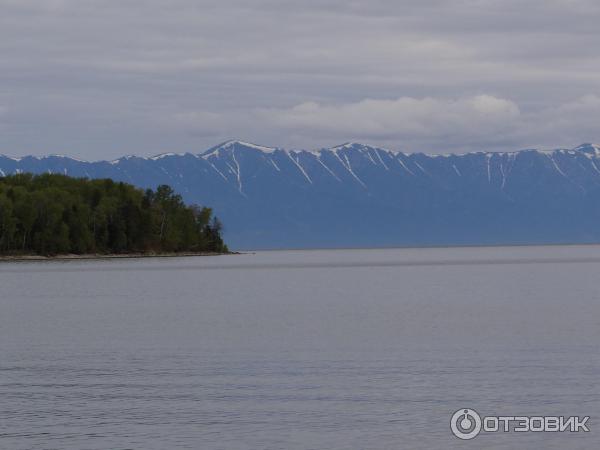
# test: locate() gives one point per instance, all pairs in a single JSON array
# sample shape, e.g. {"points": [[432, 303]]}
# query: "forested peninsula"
{"points": [[51, 215]]}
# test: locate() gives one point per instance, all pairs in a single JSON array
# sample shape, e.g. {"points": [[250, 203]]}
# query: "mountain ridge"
{"points": [[358, 195], [585, 147]]}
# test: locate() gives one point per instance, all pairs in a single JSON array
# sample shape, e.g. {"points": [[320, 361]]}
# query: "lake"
{"points": [[323, 349]]}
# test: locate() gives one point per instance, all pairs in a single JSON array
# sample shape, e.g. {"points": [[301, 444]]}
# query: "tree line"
{"points": [[55, 214]]}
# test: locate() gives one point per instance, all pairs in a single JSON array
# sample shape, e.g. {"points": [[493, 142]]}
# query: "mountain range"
{"points": [[355, 195]]}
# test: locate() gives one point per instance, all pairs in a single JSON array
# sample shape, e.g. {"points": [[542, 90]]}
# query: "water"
{"points": [[349, 349]]}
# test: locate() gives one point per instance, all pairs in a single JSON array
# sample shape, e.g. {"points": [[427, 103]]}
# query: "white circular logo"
{"points": [[465, 423]]}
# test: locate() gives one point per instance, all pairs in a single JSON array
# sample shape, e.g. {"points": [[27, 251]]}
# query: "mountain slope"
{"points": [[356, 195]]}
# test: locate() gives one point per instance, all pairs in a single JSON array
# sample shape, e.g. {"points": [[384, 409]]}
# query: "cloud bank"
{"points": [[405, 117]]}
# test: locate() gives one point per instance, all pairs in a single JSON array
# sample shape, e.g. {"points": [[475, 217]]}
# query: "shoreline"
{"points": [[93, 256], [419, 247]]}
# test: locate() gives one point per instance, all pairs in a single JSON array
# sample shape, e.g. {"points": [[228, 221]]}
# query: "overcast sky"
{"points": [[98, 79]]}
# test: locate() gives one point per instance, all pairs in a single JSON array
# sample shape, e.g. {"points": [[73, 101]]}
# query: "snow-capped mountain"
{"points": [[357, 195]]}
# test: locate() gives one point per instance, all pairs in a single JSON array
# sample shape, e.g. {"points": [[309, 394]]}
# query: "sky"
{"points": [[98, 79]]}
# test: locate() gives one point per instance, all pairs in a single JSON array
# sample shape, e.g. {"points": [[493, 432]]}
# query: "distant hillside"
{"points": [[54, 214], [356, 195]]}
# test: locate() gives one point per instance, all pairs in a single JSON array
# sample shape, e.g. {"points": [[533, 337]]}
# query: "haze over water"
{"points": [[346, 349]]}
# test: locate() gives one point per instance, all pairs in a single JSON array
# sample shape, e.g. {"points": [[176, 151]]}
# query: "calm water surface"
{"points": [[349, 349]]}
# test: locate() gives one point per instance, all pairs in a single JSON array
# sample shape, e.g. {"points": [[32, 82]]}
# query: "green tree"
{"points": [[51, 214]]}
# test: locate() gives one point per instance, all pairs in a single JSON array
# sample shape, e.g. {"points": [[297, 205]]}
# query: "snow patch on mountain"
{"points": [[231, 145]]}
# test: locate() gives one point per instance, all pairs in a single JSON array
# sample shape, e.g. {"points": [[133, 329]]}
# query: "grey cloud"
{"points": [[97, 78]]}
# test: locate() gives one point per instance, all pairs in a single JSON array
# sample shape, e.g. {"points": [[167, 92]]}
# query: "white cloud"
{"points": [[402, 118], [436, 125]]}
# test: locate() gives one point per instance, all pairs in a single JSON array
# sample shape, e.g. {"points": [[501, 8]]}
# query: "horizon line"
{"points": [[268, 149]]}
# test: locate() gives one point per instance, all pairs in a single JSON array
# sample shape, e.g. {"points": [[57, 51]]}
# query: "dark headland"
{"points": [[58, 217]]}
